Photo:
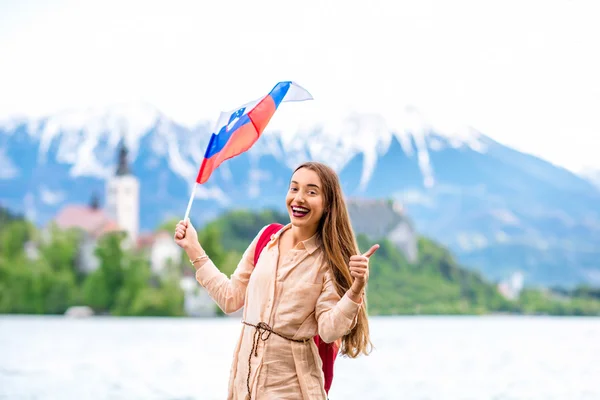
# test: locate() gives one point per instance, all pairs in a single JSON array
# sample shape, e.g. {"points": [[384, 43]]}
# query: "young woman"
{"points": [[309, 279]]}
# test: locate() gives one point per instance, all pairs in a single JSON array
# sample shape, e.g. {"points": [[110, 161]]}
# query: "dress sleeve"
{"points": [[335, 316], [229, 293]]}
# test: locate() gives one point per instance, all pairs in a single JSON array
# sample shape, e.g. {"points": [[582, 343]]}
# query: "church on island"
{"points": [[122, 214]]}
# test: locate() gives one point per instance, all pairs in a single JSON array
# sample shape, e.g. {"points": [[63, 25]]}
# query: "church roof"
{"points": [[123, 162], [147, 240], [95, 222]]}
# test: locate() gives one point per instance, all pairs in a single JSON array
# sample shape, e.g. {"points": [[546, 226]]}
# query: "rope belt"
{"points": [[262, 332]]}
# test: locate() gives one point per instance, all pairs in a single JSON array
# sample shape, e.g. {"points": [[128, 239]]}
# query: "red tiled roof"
{"points": [[145, 241], [95, 222]]}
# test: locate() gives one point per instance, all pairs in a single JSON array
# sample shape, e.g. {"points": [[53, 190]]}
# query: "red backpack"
{"points": [[327, 351]]}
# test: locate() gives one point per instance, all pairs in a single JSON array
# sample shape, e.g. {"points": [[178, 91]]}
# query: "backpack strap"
{"points": [[264, 238], [328, 353]]}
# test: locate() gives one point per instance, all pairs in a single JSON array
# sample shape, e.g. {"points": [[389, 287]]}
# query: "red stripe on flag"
{"points": [[207, 167], [262, 113], [241, 140]]}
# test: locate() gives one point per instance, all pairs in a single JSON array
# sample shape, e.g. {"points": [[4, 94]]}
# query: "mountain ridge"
{"points": [[134, 121], [461, 187]]}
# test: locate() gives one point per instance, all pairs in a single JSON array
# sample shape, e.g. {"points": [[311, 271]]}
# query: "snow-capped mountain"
{"points": [[500, 210], [593, 175]]}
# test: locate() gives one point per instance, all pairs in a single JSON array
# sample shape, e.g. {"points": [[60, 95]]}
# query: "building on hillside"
{"points": [[92, 222], [163, 253], [123, 196], [511, 288], [161, 250], [122, 214], [384, 219]]}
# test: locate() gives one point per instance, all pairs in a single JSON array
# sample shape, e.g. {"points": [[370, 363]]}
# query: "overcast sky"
{"points": [[524, 72]]}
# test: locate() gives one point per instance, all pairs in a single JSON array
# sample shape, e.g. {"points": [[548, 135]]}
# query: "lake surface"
{"points": [[415, 358]]}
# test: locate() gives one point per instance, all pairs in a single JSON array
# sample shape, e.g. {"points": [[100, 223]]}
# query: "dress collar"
{"points": [[311, 244]]}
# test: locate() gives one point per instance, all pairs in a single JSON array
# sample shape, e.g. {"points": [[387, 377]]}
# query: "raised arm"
{"points": [[336, 316], [228, 293]]}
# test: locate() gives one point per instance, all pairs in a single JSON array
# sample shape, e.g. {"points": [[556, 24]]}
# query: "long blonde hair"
{"points": [[336, 234]]}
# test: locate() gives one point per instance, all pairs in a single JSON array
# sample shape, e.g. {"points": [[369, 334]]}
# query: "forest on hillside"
{"points": [[39, 275]]}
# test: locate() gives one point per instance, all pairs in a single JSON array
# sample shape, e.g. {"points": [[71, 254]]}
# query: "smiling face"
{"points": [[305, 201]]}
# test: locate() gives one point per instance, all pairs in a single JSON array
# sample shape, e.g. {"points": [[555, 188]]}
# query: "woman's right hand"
{"points": [[186, 236]]}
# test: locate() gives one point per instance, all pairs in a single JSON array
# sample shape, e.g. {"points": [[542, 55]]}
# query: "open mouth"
{"points": [[299, 212]]}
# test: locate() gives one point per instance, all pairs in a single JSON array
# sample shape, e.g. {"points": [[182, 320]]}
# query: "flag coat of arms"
{"points": [[236, 131]]}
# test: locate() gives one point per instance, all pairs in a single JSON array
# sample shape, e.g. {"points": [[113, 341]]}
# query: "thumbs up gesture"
{"points": [[359, 269]]}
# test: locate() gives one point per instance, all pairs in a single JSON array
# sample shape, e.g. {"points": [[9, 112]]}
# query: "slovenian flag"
{"points": [[236, 131]]}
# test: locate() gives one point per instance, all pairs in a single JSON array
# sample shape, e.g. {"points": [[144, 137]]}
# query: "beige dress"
{"points": [[297, 299]]}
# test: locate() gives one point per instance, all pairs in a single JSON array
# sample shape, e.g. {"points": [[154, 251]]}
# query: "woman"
{"points": [[309, 280]]}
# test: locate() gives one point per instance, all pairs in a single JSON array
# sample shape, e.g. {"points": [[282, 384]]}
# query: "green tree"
{"points": [[59, 254], [20, 286], [13, 237], [21, 279], [124, 284], [239, 227], [168, 225], [6, 216], [136, 278], [101, 287], [59, 291], [166, 299], [211, 240], [60, 250]]}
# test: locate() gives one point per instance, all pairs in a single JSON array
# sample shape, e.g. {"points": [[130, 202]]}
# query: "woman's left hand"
{"points": [[359, 269]]}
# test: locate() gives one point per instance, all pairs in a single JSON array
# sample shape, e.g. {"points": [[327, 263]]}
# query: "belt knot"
{"points": [[262, 332]]}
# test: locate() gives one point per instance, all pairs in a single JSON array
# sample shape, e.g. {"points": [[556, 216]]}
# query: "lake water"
{"points": [[415, 358]]}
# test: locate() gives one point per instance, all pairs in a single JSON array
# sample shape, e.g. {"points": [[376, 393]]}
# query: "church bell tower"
{"points": [[123, 196]]}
